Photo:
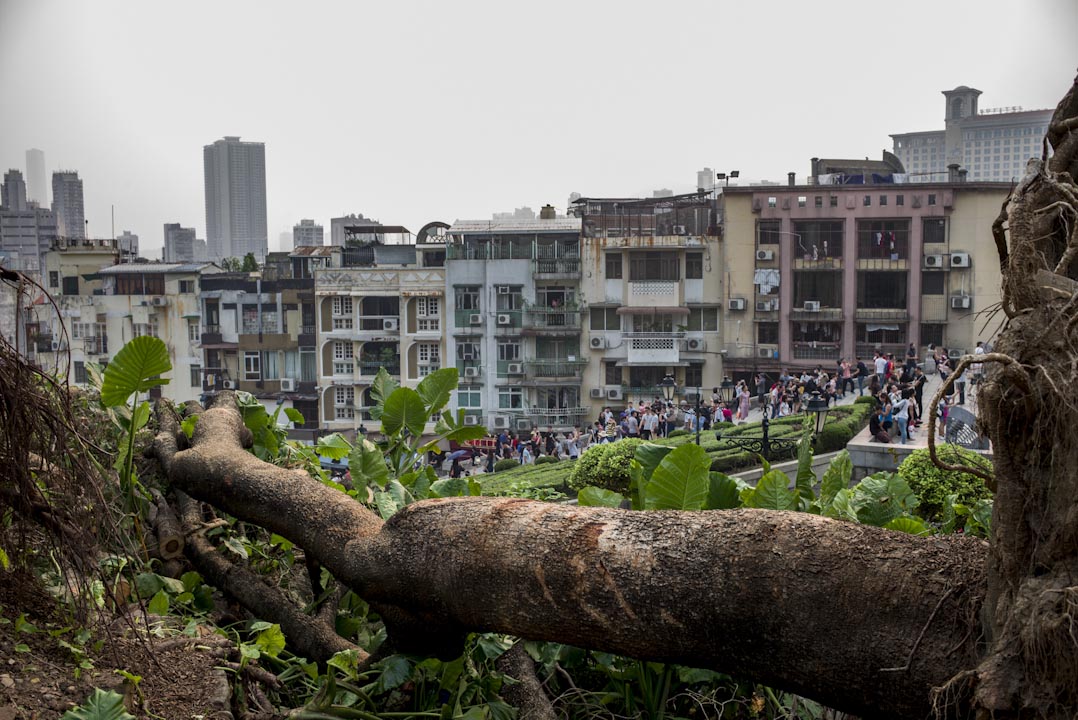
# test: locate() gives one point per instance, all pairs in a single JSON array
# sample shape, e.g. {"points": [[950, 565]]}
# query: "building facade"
{"points": [[67, 205], [818, 273], [992, 145], [179, 244], [306, 233], [127, 243], [235, 177], [25, 237], [652, 282], [518, 318], [377, 306], [337, 227], [13, 192], [37, 183]]}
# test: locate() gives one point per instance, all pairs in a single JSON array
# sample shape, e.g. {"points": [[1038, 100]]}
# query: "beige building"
{"points": [[376, 306], [652, 278], [840, 271]]}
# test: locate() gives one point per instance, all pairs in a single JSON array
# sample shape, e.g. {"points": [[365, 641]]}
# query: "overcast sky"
{"points": [[417, 111]]}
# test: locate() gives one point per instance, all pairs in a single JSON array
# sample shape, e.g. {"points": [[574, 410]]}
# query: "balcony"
{"points": [[866, 350], [809, 263], [816, 351], [653, 348], [508, 320], [556, 269], [546, 319], [558, 418], [466, 321], [896, 314], [211, 335], [808, 311], [555, 369], [657, 293], [96, 345], [470, 372], [379, 325], [370, 368]]}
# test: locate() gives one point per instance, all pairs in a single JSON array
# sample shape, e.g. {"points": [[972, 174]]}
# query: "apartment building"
{"points": [[258, 334], [104, 305], [377, 305], [820, 272], [515, 288]]}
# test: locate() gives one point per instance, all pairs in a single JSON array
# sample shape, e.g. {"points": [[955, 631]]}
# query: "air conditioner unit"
{"points": [[505, 319], [736, 304], [500, 422], [597, 342], [475, 319], [596, 394], [288, 385], [960, 303], [229, 384], [504, 290], [812, 306], [695, 345], [57, 345], [389, 324], [765, 254], [763, 306], [763, 352], [679, 229], [471, 371], [515, 368], [613, 393], [523, 424], [159, 301], [471, 419], [960, 260], [933, 261]]}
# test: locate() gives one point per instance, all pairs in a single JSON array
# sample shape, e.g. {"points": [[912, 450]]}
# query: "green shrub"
{"points": [[506, 464], [933, 485], [865, 400], [545, 459], [605, 465], [677, 433]]}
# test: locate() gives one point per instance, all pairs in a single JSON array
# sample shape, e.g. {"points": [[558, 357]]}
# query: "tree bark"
{"points": [[862, 619]]}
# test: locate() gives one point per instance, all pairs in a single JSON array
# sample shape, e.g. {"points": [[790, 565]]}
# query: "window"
{"points": [[196, 376], [612, 374], [342, 306], [881, 290], [694, 375], [932, 198], [883, 239], [613, 266], [54, 279], [150, 329], [193, 335], [429, 355], [508, 350], [468, 351], [934, 283], [510, 398], [658, 323], [767, 333], [772, 202], [834, 201], [269, 365], [468, 297], [187, 287], [131, 284], [344, 403], [343, 350], [70, 286], [252, 367], [605, 319], [802, 201], [703, 319], [867, 201], [694, 266], [883, 200], [308, 366], [818, 239], [654, 266], [427, 324], [818, 201], [932, 334], [80, 372], [426, 307], [768, 232], [471, 399], [934, 230], [900, 200], [512, 300]]}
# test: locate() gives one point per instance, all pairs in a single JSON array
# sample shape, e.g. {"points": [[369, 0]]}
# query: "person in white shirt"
{"points": [[881, 367]]}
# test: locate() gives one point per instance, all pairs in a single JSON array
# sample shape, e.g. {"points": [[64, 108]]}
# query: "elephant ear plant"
{"points": [[135, 369]]}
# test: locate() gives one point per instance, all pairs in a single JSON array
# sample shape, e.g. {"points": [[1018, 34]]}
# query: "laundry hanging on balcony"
{"points": [[766, 278]]}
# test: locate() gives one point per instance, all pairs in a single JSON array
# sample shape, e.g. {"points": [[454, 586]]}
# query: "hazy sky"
{"points": [[417, 111]]}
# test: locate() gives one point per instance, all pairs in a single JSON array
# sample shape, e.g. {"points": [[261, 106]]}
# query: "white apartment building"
{"points": [[235, 177], [307, 233]]}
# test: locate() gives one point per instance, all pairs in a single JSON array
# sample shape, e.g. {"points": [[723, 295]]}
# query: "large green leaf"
{"points": [[465, 433], [101, 705], [333, 446], [724, 492], [880, 498], [772, 492], [449, 487], [367, 465], [135, 369], [649, 455], [680, 482], [382, 387], [835, 478], [436, 387], [599, 497], [908, 524], [840, 506], [404, 410], [806, 477]]}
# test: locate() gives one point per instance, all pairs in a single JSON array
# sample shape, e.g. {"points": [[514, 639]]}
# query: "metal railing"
{"points": [[371, 367], [555, 368], [820, 352]]}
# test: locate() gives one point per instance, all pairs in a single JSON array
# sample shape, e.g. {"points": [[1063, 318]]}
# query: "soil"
{"points": [[41, 679]]}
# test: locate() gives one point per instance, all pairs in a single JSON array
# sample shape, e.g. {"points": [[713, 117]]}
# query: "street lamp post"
{"points": [[668, 386], [764, 445], [727, 177]]}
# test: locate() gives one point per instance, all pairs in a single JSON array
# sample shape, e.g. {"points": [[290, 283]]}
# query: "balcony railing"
{"points": [[806, 311], [560, 266], [379, 324], [371, 367], [557, 417], [552, 318], [507, 319], [469, 319], [883, 314], [553, 369], [817, 352]]}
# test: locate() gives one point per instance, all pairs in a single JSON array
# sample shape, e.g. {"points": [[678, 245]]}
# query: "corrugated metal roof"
{"points": [[313, 251], [508, 227], [154, 268]]}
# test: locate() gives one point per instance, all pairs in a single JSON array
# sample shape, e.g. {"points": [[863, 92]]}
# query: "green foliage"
{"points": [[101, 705], [545, 460], [680, 432], [605, 465], [135, 369], [598, 497], [680, 481], [268, 432], [934, 486], [881, 498], [772, 492], [506, 464], [249, 263], [231, 264], [865, 400]]}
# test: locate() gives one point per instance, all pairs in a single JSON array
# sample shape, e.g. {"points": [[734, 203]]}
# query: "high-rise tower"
{"points": [[235, 199], [37, 183], [67, 204]]}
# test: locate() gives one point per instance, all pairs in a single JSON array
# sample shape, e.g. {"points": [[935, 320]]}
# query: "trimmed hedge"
{"points": [[545, 460], [933, 485], [605, 465], [506, 464]]}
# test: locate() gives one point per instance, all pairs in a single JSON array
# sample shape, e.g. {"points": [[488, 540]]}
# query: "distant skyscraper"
{"points": [[235, 198], [179, 244], [13, 192], [37, 182], [67, 204], [308, 232], [338, 224], [127, 244], [705, 179]]}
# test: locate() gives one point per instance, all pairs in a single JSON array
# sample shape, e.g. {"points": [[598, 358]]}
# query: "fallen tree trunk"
{"points": [[862, 619]]}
